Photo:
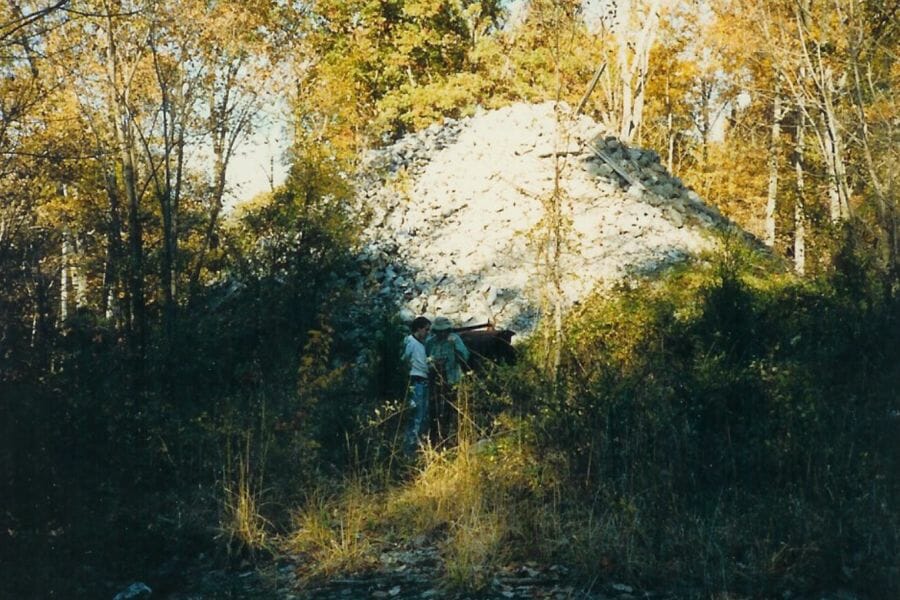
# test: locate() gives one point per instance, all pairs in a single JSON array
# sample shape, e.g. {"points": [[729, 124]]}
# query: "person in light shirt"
{"points": [[414, 355]]}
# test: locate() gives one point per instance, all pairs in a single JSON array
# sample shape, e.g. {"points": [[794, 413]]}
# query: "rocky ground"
{"points": [[455, 211], [412, 571], [404, 571]]}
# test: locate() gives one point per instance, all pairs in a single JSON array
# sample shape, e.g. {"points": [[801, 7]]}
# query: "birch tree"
{"points": [[800, 196], [632, 26], [774, 165], [804, 51]]}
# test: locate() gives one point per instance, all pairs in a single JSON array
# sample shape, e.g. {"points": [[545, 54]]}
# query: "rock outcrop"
{"points": [[456, 211]]}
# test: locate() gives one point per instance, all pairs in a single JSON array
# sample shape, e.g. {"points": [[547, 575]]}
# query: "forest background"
{"points": [[173, 378]]}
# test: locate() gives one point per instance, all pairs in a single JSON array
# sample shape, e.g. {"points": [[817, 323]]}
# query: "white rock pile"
{"points": [[456, 210]]}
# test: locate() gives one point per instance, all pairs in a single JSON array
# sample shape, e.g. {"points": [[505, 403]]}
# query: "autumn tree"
{"points": [[819, 53], [371, 68]]}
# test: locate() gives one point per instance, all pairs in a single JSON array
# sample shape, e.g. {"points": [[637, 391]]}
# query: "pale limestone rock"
{"points": [[459, 207]]}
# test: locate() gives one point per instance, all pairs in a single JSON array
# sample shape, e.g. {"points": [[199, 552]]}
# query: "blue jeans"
{"points": [[418, 402]]}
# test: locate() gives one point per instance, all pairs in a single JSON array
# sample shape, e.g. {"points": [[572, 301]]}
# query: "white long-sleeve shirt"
{"points": [[414, 352]]}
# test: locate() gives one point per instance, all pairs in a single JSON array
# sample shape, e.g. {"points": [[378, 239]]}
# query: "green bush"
{"points": [[717, 416]]}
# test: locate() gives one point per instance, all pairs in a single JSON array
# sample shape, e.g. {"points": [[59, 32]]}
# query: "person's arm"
{"points": [[405, 355], [461, 350]]}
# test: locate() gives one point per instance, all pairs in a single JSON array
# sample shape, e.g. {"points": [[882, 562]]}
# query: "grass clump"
{"points": [[334, 534]]}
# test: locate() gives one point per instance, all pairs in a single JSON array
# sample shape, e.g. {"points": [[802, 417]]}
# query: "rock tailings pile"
{"points": [[456, 212]]}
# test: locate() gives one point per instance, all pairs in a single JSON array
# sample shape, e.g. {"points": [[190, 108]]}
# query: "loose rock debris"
{"points": [[455, 213]]}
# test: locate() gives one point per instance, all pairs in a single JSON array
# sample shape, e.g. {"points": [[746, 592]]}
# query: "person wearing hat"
{"points": [[415, 356], [446, 353]]}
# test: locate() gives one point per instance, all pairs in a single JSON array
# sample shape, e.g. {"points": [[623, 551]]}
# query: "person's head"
{"points": [[442, 326], [420, 327]]}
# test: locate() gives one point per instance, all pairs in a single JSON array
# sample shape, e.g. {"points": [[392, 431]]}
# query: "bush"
{"points": [[747, 416]]}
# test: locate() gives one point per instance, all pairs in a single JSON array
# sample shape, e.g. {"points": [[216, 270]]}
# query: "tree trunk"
{"points": [[123, 127], [173, 111], [799, 210], [839, 170], [774, 148], [635, 39], [670, 129], [136, 248], [114, 253], [64, 278], [79, 278]]}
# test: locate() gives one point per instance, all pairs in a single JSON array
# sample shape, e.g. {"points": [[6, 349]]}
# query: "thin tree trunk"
{"points": [[670, 129], [799, 209], [79, 278], [114, 253], [176, 207], [123, 128], [837, 148], [830, 151], [774, 148], [633, 57], [167, 191], [136, 251], [64, 278]]}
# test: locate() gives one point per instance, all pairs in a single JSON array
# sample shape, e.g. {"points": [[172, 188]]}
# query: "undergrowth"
{"points": [[716, 431]]}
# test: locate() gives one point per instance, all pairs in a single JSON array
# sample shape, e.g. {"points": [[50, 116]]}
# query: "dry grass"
{"points": [[474, 549], [448, 502], [242, 525], [335, 533], [467, 500]]}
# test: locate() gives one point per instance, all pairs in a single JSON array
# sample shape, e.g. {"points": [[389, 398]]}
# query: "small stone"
{"points": [[665, 190], [675, 217], [604, 170], [135, 591], [654, 199]]}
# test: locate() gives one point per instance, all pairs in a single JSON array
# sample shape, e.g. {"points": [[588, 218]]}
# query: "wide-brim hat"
{"points": [[441, 324]]}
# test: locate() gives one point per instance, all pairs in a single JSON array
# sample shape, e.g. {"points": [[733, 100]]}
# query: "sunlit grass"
{"points": [[335, 534], [242, 524]]}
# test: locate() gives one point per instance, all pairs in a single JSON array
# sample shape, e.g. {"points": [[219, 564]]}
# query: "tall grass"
{"points": [[334, 533], [244, 529]]}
